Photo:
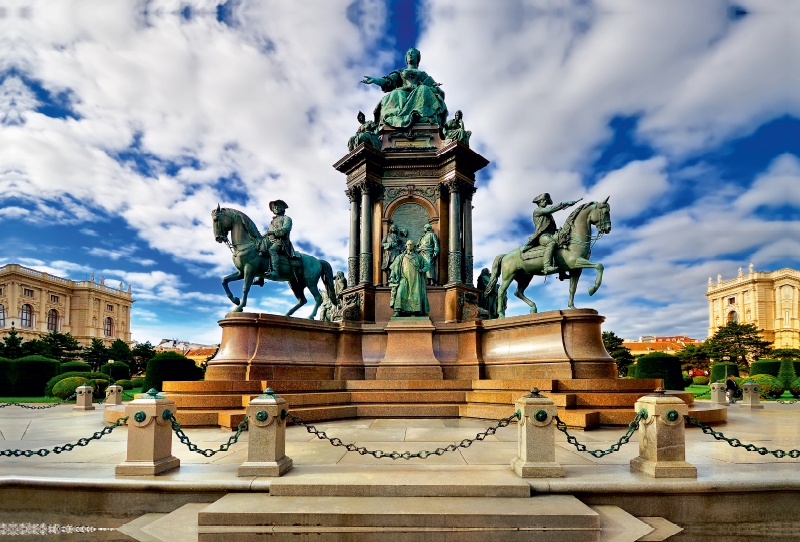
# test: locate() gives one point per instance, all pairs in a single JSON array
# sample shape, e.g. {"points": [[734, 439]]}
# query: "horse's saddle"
{"points": [[286, 263], [532, 253]]}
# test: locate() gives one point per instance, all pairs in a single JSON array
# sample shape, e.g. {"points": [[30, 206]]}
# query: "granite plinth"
{"points": [[409, 351]]}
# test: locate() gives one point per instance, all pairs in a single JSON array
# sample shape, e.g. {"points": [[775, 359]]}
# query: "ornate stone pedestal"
{"points": [[409, 351]]}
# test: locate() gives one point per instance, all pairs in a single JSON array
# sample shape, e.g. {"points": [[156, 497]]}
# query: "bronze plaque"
{"points": [[411, 218]]}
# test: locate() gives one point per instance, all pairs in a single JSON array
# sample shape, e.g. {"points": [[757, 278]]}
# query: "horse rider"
{"points": [[278, 236], [545, 234]]}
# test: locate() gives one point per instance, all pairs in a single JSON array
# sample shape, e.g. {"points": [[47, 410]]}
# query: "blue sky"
{"points": [[123, 124]]}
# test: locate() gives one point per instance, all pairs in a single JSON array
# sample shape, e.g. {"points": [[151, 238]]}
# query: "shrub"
{"points": [[126, 384], [116, 370], [738, 380], [795, 388], [25, 377], [765, 367], [66, 387], [687, 381], [770, 385], [138, 382], [48, 387], [718, 371], [75, 366], [660, 365], [786, 373], [100, 386], [700, 381], [170, 366], [632, 371]]}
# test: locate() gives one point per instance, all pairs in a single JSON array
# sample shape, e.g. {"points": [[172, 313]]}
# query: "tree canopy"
{"points": [[740, 343], [621, 354]]}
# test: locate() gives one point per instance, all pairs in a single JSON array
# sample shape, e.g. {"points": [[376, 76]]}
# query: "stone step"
{"points": [[205, 402], [418, 396], [511, 397], [465, 385], [522, 385]]}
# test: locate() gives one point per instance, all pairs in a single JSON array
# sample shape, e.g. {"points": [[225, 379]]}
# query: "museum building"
{"points": [[35, 303], [770, 300]]}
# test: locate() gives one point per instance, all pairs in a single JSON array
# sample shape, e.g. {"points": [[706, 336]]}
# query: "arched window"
{"points": [[26, 316], [108, 327], [2, 316], [52, 320], [733, 317]]}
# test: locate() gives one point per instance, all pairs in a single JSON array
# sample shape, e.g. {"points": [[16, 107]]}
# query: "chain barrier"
{"points": [[42, 452], [736, 443], [789, 402], [21, 405], [624, 439], [208, 452], [394, 455]]}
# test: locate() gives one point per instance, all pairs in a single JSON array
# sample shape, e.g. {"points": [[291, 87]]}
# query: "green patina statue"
{"points": [[571, 245], [428, 247], [545, 233], [366, 133], [412, 96], [407, 280], [454, 129]]}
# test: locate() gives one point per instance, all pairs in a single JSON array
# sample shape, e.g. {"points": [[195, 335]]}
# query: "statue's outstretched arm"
{"points": [[380, 81]]}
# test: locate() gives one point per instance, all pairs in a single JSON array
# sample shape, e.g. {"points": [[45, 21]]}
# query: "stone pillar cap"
{"points": [[151, 397], [269, 397]]}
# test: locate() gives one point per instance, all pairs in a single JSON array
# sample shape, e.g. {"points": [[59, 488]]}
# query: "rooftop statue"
{"points": [[454, 129], [412, 96], [366, 133], [257, 257], [571, 246]]}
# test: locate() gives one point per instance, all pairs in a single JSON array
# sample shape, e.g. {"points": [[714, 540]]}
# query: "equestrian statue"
{"points": [[270, 257], [565, 251]]}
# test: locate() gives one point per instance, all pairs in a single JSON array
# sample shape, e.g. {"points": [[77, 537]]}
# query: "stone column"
{"points": [[266, 447], [84, 399], [751, 396], [718, 394], [536, 442], [454, 240], [467, 225], [662, 438], [365, 263], [352, 259], [113, 395], [149, 437]]}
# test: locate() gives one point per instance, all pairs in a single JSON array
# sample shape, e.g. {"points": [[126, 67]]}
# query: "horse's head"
{"points": [[222, 224], [601, 216]]}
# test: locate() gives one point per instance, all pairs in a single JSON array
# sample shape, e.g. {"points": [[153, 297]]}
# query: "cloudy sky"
{"points": [[122, 124]]}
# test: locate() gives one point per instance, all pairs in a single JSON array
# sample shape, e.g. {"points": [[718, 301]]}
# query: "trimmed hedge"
{"points": [[718, 371], [75, 366], [787, 374], [117, 370], [25, 377], [795, 388], [661, 365], [138, 382], [631, 371], [765, 367], [170, 366], [700, 380], [770, 385], [126, 384], [66, 387], [48, 387], [100, 386], [687, 381]]}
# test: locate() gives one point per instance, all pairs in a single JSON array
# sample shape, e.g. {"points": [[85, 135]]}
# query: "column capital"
{"points": [[353, 194], [367, 186], [458, 185]]}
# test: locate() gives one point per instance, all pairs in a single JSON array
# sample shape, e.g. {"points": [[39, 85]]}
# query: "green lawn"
{"points": [[697, 390]]}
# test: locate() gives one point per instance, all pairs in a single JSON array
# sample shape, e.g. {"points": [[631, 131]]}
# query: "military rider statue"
{"points": [[278, 236], [545, 234]]}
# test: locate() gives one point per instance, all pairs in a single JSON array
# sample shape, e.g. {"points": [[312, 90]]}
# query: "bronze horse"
{"points": [[301, 273], [573, 259]]}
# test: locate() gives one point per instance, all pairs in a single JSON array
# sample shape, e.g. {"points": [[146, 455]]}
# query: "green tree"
{"points": [[786, 373], [62, 346], [695, 356], [740, 343], [36, 347], [621, 354], [141, 353], [785, 353], [120, 351], [12, 345], [96, 354]]}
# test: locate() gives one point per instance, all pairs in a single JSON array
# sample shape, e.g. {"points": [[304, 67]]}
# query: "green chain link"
{"points": [[423, 454], [167, 415], [624, 439], [42, 452], [736, 443], [21, 405]]}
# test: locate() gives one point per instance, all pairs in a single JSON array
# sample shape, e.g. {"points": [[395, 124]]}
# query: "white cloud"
{"points": [[632, 188]]}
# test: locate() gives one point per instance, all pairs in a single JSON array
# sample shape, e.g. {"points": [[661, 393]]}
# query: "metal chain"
{"points": [[394, 455], [167, 415], [736, 443], [70, 398], [789, 402], [42, 452], [624, 439]]}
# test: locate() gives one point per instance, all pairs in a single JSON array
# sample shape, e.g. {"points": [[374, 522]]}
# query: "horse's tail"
{"points": [[327, 280], [495, 275]]}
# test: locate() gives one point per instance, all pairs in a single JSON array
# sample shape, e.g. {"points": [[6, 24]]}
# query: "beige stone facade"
{"points": [[36, 303], [771, 301]]}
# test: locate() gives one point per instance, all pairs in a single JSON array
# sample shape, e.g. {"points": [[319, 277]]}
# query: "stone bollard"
{"points": [[266, 448], [84, 399], [719, 395], [662, 438], [751, 396], [113, 395], [536, 440], [149, 436]]}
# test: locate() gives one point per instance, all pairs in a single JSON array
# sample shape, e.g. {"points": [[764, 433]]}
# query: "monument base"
{"points": [[265, 468], [536, 470], [409, 351], [663, 469], [147, 468]]}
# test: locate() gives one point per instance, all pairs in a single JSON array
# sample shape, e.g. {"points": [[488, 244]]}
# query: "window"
{"points": [[1, 291], [110, 308], [733, 317], [27, 292], [2, 316], [26, 316], [108, 327], [731, 300], [53, 298], [52, 320]]}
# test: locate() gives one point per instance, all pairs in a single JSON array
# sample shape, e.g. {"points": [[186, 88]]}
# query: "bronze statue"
{"points": [[488, 296], [392, 245], [570, 260], [326, 309], [278, 237], [301, 271], [428, 247], [340, 284], [366, 133], [407, 280], [546, 229], [454, 130]]}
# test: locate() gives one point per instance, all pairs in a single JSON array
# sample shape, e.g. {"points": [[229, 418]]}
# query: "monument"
{"points": [[406, 333]]}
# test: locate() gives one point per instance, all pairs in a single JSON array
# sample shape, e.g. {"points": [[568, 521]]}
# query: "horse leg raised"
{"points": [[238, 275], [297, 290], [583, 263], [317, 299], [523, 279], [574, 276]]}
